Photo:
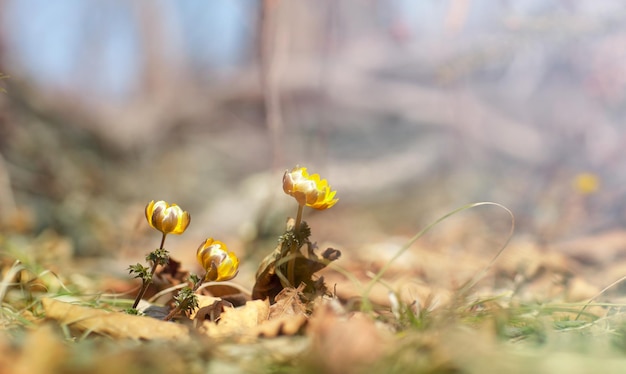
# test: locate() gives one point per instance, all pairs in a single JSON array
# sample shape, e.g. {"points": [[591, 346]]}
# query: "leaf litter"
{"points": [[529, 297]]}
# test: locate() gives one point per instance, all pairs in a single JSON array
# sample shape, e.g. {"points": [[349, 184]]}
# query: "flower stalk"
{"points": [[294, 249], [168, 219], [219, 264], [311, 191], [147, 278], [186, 299]]}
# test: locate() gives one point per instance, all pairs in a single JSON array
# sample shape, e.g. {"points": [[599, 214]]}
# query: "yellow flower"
{"points": [[219, 263], [169, 219], [308, 190], [586, 183]]}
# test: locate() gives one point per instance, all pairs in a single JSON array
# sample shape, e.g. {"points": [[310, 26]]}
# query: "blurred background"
{"points": [[408, 108]]}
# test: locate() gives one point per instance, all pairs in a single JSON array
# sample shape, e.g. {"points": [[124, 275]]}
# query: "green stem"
{"points": [[145, 284], [291, 265], [179, 307], [296, 227], [596, 296], [366, 304], [172, 313]]}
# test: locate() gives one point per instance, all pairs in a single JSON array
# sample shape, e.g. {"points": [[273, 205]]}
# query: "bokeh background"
{"points": [[409, 109]]}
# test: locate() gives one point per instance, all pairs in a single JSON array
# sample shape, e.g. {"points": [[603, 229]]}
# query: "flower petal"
{"points": [[309, 190], [219, 263], [169, 219]]}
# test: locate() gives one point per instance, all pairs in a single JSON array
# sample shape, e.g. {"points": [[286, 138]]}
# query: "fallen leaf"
{"points": [[282, 326], [219, 289], [172, 273], [209, 308], [114, 324], [287, 303], [43, 352], [579, 289], [345, 343], [595, 250], [268, 283], [238, 323]]}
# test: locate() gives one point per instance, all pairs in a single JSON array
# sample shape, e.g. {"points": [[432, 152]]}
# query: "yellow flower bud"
{"points": [[219, 263], [586, 183], [169, 219], [308, 190]]}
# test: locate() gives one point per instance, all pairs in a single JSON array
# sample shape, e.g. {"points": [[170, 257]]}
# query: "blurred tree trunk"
{"points": [[2, 38], [163, 68], [152, 36], [4, 109], [7, 201], [267, 45]]}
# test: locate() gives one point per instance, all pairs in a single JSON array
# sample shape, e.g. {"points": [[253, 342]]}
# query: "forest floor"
{"points": [[538, 308], [529, 283]]}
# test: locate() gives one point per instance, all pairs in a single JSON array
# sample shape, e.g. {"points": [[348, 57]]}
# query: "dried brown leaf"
{"points": [[238, 322], [286, 325], [287, 303], [209, 308], [237, 296], [43, 353], [345, 343], [287, 316], [172, 274], [118, 325], [220, 290], [579, 289], [267, 283]]}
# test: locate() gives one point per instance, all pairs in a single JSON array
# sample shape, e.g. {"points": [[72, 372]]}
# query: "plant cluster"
{"points": [[287, 267], [218, 262]]}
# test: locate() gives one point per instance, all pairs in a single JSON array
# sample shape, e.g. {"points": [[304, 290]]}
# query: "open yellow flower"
{"points": [[586, 183], [169, 219], [309, 190], [219, 263]]}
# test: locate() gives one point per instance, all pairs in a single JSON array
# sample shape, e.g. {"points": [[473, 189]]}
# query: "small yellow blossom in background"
{"points": [[586, 183], [309, 190], [169, 219], [219, 263]]}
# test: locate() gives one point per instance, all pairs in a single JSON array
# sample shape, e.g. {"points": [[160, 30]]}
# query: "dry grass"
{"points": [[474, 329]]}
